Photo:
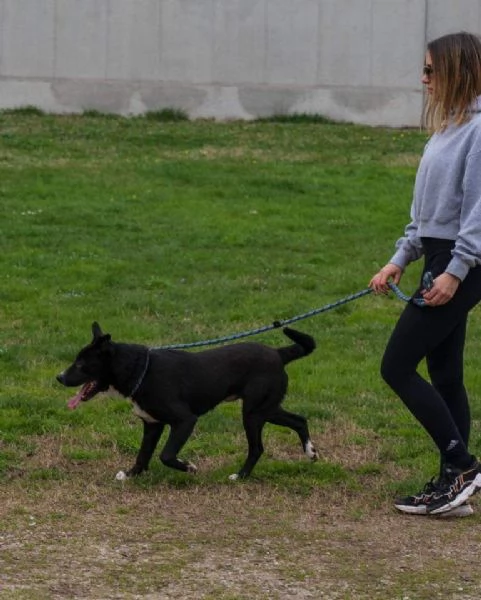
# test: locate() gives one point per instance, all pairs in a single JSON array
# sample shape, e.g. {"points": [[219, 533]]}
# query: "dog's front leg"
{"points": [[253, 424], [150, 439], [179, 434]]}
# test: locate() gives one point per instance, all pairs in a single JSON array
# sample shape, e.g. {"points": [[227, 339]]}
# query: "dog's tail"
{"points": [[304, 345]]}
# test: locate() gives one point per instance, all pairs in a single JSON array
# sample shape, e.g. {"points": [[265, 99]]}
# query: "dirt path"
{"points": [[102, 540]]}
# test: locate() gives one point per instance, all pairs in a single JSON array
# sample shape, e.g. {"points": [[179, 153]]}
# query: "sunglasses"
{"points": [[427, 70]]}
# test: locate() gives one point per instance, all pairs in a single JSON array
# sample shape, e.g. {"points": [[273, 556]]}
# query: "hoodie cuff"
{"points": [[400, 259], [458, 268]]}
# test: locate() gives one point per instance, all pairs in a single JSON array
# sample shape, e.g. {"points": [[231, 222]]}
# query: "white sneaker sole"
{"points": [[464, 510], [461, 498], [412, 510]]}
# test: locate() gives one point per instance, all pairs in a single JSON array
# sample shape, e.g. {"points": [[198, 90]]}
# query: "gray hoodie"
{"points": [[447, 197]]}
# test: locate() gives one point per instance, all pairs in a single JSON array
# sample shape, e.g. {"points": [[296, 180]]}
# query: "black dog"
{"points": [[173, 387]]}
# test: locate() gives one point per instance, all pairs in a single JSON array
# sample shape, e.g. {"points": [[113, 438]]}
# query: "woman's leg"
{"points": [[445, 367], [417, 334], [427, 332]]}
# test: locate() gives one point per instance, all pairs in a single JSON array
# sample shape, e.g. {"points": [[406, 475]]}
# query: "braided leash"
{"points": [[427, 282]]}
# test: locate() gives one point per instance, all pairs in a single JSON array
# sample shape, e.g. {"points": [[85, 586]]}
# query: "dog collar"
{"points": [[141, 378]]}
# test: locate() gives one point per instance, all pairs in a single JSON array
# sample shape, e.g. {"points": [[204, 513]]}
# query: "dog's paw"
{"points": [[234, 477], [135, 470], [121, 476], [191, 468], [311, 452]]}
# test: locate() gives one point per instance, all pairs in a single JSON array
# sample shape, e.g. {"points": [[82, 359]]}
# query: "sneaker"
{"points": [[458, 487], [417, 504]]}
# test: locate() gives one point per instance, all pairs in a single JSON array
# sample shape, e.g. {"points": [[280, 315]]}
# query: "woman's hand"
{"points": [[390, 272], [444, 288]]}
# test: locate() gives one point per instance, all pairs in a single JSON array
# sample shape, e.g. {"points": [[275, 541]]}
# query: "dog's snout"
{"points": [[61, 377]]}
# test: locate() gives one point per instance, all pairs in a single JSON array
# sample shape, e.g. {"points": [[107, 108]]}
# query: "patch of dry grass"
{"points": [[86, 536], [402, 160]]}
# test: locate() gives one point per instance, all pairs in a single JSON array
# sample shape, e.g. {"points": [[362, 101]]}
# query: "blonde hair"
{"points": [[456, 62]]}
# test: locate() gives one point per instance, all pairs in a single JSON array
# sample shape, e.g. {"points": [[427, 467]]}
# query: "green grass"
{"points": [[170, 231]]}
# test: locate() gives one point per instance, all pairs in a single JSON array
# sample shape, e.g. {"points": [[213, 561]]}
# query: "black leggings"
{"points": [[437, 334]]}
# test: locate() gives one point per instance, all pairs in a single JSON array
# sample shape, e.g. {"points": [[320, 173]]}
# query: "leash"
{"points": [[427, 283]]}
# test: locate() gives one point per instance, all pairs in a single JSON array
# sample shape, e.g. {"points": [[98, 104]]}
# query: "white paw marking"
{"points": [[234, 477], [310, 451], [191, 468], [121, 476]]}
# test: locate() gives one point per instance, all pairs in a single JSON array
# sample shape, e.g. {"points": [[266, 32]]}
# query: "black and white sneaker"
{"points": [[457, 487], [418, 503]]}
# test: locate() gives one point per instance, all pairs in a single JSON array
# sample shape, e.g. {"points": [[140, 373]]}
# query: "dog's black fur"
{"points": [[174, 387]]}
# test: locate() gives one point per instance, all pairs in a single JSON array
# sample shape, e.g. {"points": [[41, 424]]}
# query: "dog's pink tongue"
{"points": [[75, 401]]}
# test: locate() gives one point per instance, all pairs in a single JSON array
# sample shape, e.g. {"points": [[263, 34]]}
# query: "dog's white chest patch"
{"points": [[142, 414]]}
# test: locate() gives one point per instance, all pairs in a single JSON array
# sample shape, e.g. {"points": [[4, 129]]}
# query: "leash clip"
{"points": [[428, 280]]}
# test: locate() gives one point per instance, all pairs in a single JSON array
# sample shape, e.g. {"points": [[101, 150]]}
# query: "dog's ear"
{"points": [[98, 334], [96, 331]]}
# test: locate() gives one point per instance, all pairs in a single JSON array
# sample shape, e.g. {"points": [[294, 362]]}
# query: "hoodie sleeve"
{"points": [[409, 247], [467, 249]]}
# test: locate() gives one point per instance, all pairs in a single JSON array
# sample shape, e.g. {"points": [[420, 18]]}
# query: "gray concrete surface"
{"points": [[353, 60]]}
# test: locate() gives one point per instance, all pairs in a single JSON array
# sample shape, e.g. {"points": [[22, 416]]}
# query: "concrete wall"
{"points": [[355, 60]]}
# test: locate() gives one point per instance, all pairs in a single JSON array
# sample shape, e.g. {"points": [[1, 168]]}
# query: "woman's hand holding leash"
{"points": [[443, 289], [390, 272]]}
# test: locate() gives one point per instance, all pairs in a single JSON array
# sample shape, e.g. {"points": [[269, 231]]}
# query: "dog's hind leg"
{"points": [[298, 424], [179, 434], [151, 437]]}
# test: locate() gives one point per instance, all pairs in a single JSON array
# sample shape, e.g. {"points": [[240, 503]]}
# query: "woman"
{"points": [[445, 228]]}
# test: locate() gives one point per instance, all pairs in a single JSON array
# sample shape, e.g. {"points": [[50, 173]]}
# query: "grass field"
{"points": [[174, 232]]}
